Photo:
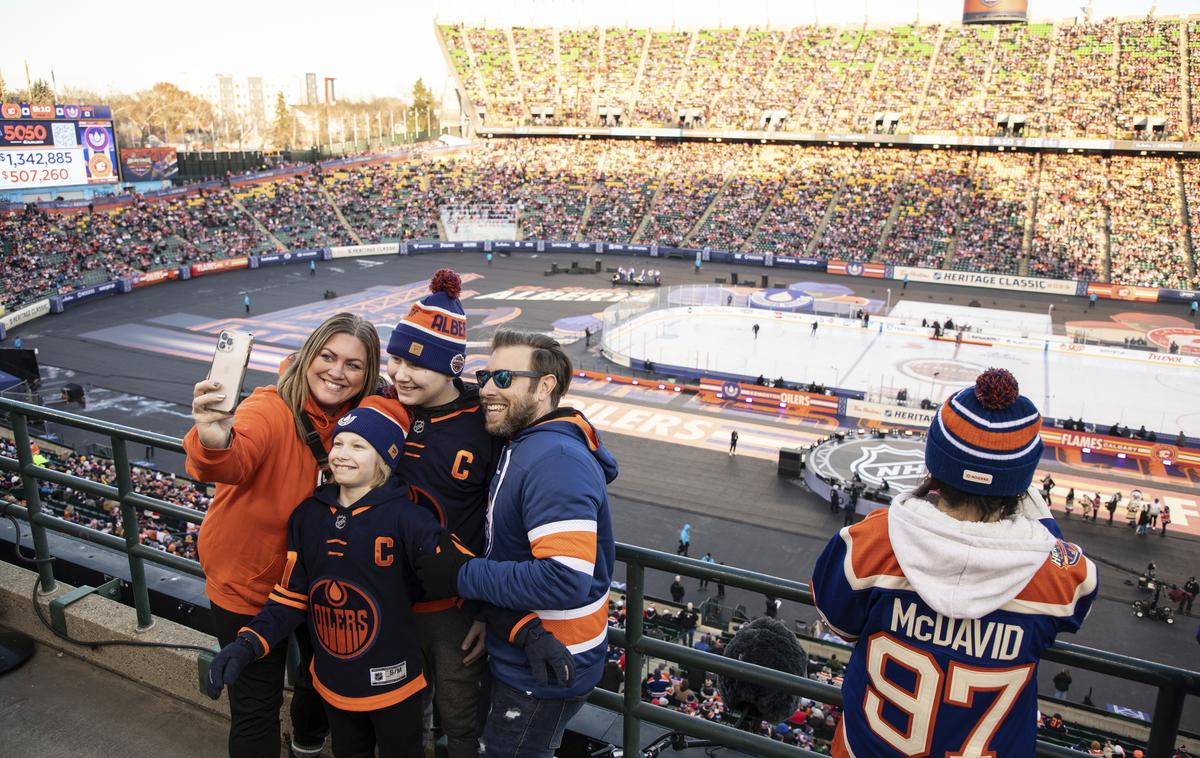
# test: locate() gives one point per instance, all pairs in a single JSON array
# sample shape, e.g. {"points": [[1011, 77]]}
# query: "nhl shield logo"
{"points": [[899, 466], [418, 426], [340, 521]]}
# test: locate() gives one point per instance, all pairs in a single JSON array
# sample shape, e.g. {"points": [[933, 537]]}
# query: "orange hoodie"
{"points": [[262, 476]]}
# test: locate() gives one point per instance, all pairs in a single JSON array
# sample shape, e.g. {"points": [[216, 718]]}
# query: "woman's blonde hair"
{"points": [[293, 386]]}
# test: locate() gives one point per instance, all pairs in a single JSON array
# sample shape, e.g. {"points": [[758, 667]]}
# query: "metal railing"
{"points": [[1173, 684]]}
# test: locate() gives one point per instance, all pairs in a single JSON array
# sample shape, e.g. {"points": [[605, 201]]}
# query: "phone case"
{"points": [[229, 366]]}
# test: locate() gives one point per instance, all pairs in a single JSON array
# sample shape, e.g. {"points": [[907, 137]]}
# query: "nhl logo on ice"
{"points": [[898, 465], [340, 521]]}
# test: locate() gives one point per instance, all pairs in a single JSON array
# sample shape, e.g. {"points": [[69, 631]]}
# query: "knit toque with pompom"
{"points": [[986, 439], [434, 333]]}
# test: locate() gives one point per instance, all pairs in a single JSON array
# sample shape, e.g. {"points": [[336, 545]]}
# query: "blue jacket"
{"points": [[550, 547]]}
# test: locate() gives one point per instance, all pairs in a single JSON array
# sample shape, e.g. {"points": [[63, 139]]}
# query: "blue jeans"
{"points": [[520, 725]]}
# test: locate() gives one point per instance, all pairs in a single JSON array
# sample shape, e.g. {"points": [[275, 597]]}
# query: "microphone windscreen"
{"points": [[766, 642]]}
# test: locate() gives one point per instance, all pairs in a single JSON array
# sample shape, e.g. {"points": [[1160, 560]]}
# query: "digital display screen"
{"points": [[44, 146]]}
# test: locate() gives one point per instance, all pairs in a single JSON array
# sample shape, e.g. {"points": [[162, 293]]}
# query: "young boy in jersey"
{"points": [[450, 458], [349, 572], [953, 592]]}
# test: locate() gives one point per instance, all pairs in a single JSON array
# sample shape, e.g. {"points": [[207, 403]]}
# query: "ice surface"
{"points": [[1100, 389]]}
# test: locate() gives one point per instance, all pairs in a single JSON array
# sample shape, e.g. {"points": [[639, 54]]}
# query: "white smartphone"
{"points": [[229, 366]]}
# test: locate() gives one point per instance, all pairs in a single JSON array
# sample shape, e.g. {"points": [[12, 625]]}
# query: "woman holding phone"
{"points": [[263, 467]]}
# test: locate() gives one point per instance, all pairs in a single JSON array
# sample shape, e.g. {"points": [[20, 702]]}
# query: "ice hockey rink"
{"points": [[1101, 385]]}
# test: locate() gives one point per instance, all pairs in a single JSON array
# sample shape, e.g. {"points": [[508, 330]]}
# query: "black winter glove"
{"points": [[228, 666], [547, 655], [438, 571]]}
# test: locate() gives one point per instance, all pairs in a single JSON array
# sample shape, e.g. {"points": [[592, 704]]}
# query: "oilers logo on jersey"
{"points": [[344, 616]]}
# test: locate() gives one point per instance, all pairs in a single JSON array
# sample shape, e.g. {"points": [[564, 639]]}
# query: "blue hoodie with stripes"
{"points": [[550, 547]]}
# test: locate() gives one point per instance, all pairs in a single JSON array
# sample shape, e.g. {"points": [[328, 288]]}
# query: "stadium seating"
{"points": [[1069, 78], [1093, 217]]}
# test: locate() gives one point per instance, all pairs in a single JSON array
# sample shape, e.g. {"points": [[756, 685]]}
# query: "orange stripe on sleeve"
{"points": [[581, 545], [288, 601], [512, 634], [872, 553], [265, 647], [1055, 585], [281, 590], [574, 631], [286, 579]]}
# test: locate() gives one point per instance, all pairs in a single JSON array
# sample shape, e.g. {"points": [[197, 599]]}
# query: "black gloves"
{"points": [[547, 655], [438, 571], [548, 658], [228, 665]]}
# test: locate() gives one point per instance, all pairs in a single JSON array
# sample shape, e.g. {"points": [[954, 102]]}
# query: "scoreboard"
{"points": [[43, 146]]}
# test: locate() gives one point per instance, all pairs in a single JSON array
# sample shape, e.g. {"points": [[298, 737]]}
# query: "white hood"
{"points": [[965, 569]]}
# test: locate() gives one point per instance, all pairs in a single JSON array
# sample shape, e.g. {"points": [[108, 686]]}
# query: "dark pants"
{"points": [[255, 698], [523, 726], [683, 548], [455, 687], [396, 730]]}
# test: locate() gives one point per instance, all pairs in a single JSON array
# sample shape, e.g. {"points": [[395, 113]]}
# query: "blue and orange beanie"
{"points": [[376, 422], [986, 439], [434, 333]]}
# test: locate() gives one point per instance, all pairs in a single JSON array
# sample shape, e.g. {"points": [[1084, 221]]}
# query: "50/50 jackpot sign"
{"points": [[56, 146]]}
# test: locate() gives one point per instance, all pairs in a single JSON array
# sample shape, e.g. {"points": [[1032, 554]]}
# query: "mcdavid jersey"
{"points": [[923, 684], [450, 457], [349, 570]]}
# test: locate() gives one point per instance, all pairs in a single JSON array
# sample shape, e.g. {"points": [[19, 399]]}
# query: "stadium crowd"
{"points": [[160, 532], [1117, 218], [1063, 77]]}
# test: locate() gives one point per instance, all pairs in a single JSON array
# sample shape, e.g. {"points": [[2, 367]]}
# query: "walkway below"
{"points": [[57, 704]]}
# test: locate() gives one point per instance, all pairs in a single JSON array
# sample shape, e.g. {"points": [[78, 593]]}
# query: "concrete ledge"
{"points": [[170, 672]]}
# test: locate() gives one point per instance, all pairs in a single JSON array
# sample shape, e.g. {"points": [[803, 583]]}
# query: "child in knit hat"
{"points": [[953, 592], [349, 576], [450, 456]]}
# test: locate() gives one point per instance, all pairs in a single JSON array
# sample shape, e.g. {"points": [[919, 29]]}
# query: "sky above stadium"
{"points": [[375, 48]]}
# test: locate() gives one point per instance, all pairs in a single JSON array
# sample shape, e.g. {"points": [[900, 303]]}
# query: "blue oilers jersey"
{"points": [[349, 575], [922, 684]]}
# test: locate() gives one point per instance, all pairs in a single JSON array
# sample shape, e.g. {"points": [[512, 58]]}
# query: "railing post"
{"points": [[33, 502], [1168, 710], [635, 598], [129, 520]]}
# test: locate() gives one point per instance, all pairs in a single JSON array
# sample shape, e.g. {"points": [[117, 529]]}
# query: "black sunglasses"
{"points": [[503, 377]]}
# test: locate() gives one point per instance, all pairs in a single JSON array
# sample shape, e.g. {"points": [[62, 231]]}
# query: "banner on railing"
{"points": [[225, 264], [354, 251], [506, 245], [1124, 292], [774, 399], [1120, 446], [60, 302], [989, 281], [890, 414], [857, 268], [294, 256], [25, 314], [154, 277], [621, 247], [784, 261], [1177, 296]]}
